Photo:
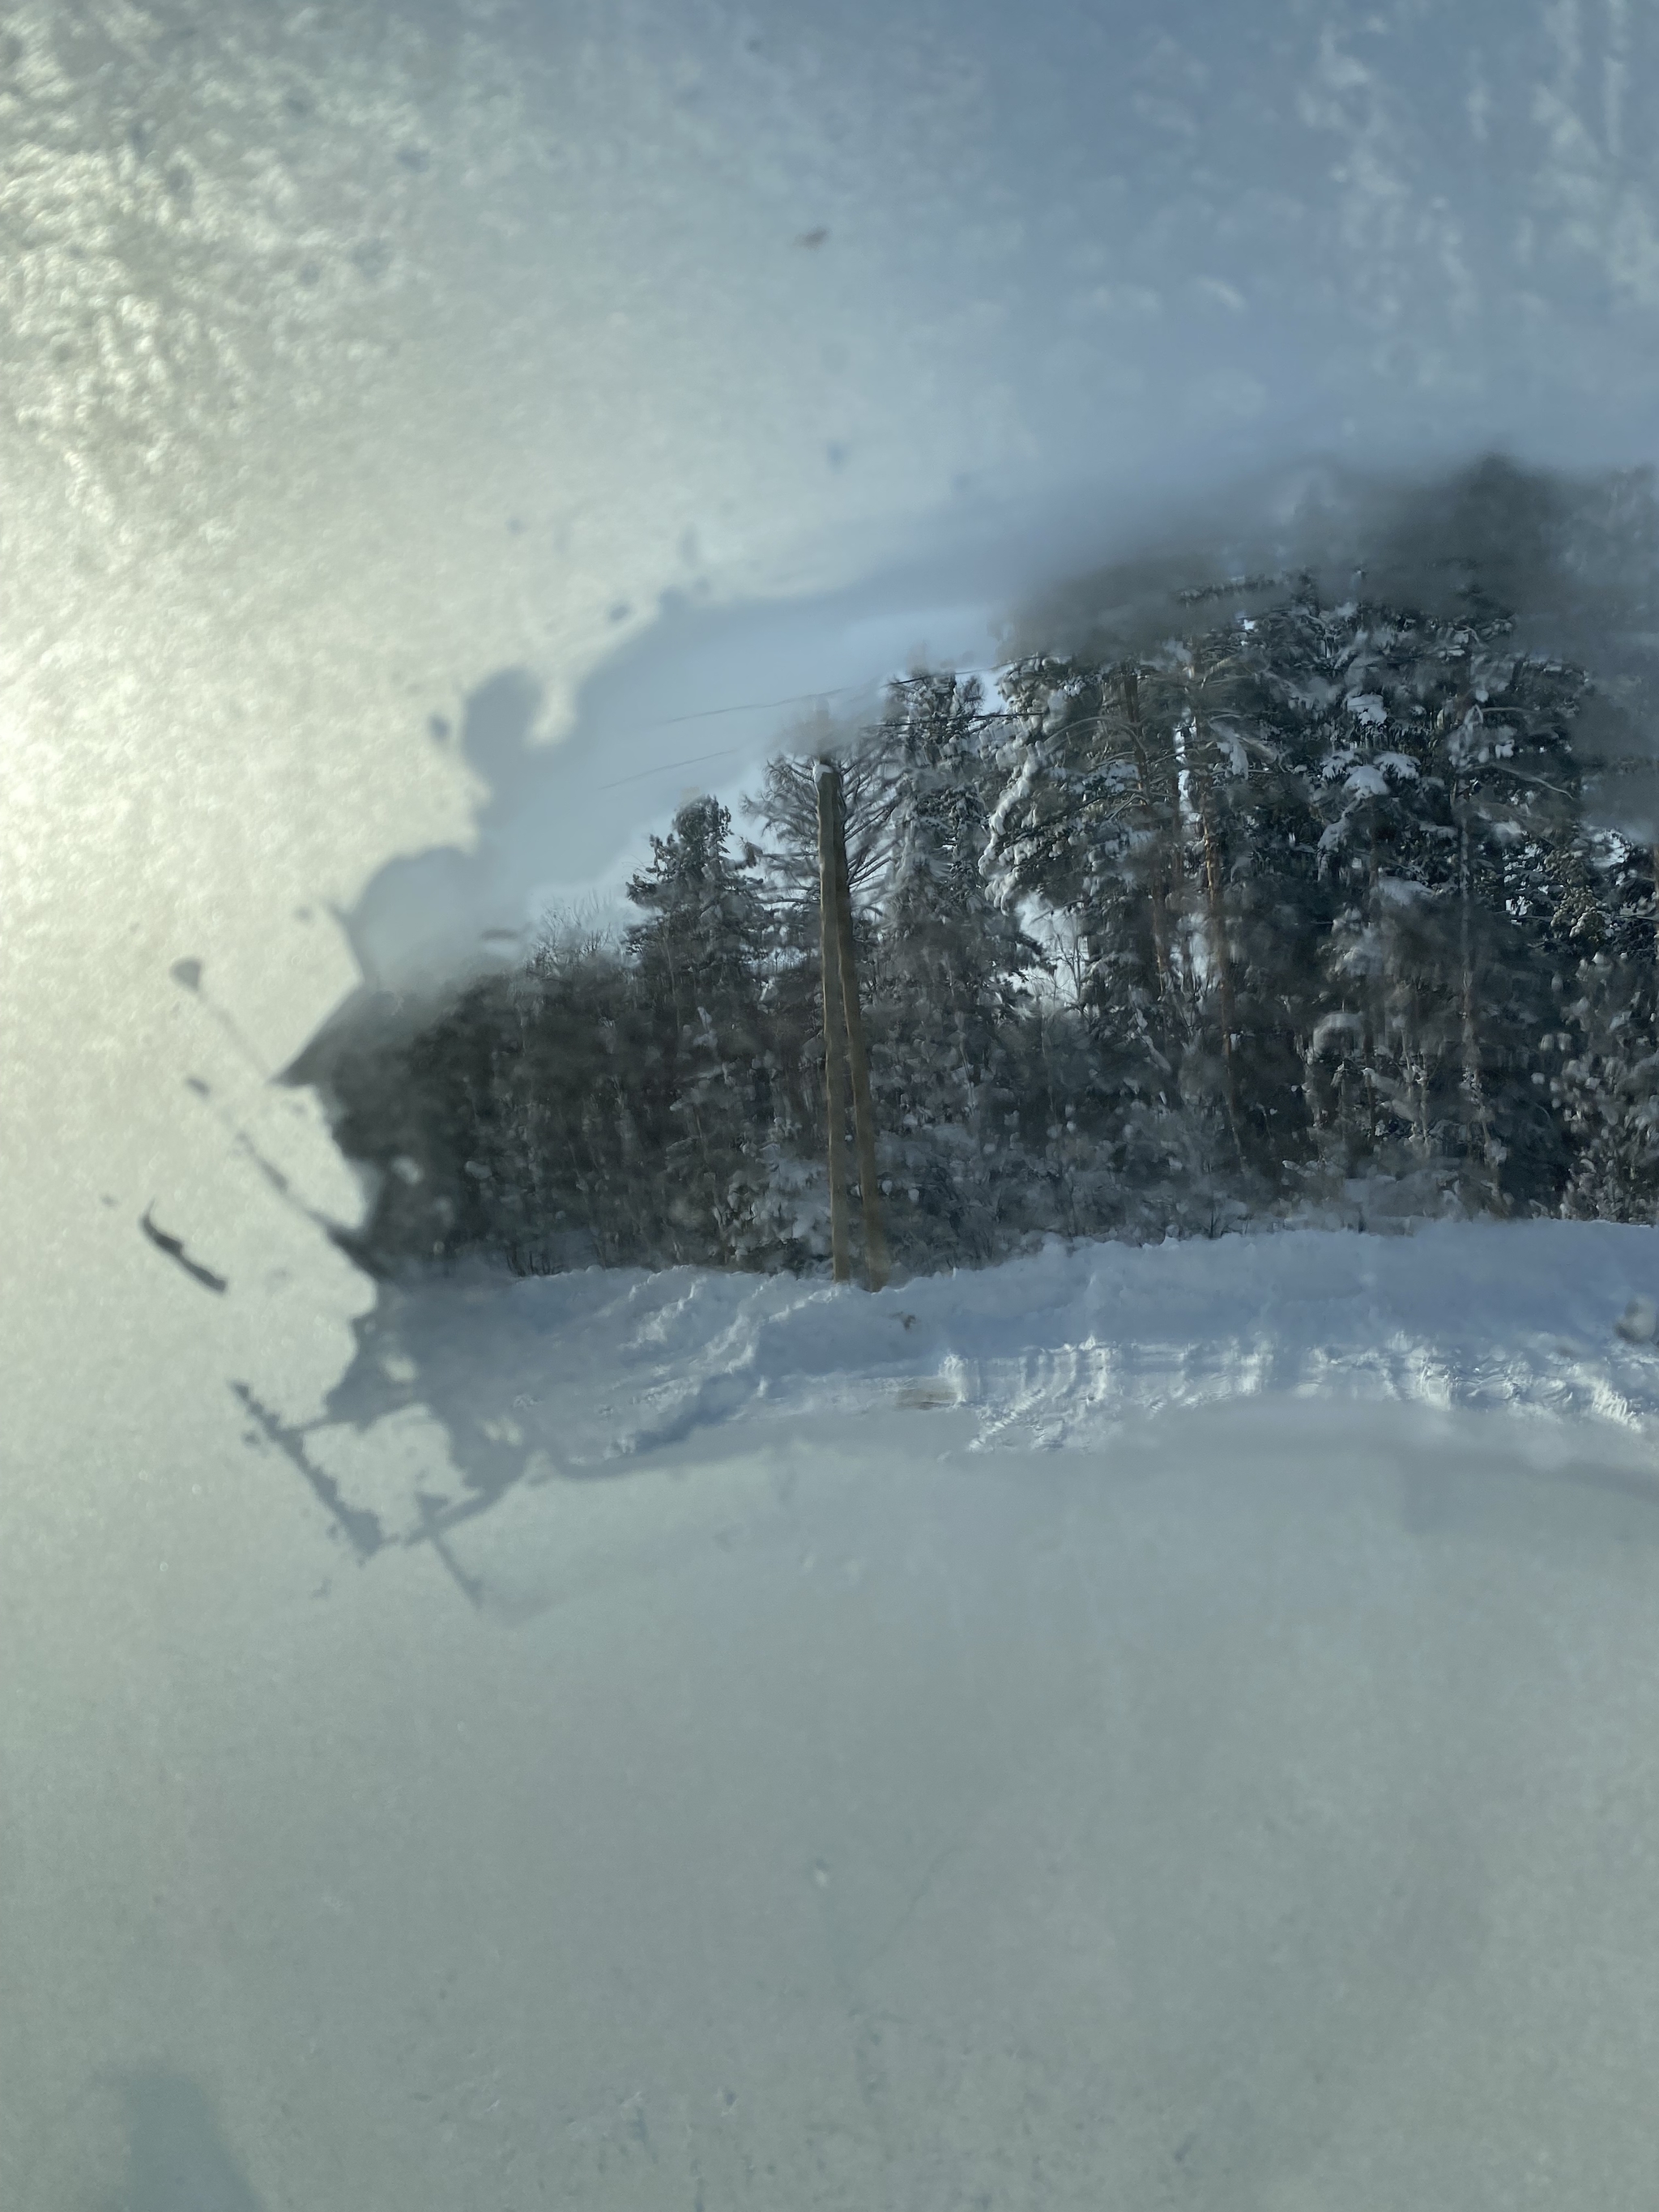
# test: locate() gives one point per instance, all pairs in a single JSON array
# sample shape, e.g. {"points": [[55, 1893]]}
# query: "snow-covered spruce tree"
{"points": [[1604, 1090], [1120, 813], [513, 1134], [1514, 797], [1255, 908], [703, 1096], [792, 1210], [1078, 834], [1449, 800], [1322, 864], [582, 1036], [1342, 690], [958, 1089], [466, 1151]]}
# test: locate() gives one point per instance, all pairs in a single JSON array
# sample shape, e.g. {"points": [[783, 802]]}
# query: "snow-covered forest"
{"points": [[1302, 912]]}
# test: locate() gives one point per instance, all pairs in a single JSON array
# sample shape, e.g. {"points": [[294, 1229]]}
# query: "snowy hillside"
{"points": [[535, 1379]]}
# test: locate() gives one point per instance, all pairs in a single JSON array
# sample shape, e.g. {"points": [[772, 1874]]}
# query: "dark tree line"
{"points": [[1300, 911]]}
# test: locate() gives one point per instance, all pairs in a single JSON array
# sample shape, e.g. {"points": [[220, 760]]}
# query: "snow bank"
{"points": [[1055, 1348], [562, 1375]]}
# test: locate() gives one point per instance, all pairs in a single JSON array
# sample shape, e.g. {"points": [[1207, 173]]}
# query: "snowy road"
{"points": [[464, 1387], [1258, 1810]]}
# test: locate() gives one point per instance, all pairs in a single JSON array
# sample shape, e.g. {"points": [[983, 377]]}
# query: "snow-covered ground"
{"points": [[1254, 1815], [1249, 1809], [530, 1380]]}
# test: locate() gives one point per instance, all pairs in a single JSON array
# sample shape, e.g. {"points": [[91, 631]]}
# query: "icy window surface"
{"points": [[1174, 1725]]}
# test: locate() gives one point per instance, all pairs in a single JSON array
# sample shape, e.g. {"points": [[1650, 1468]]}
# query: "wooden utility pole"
{"points": [[843, 1034]]}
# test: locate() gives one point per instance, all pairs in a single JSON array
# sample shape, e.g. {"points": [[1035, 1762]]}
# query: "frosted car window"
{"points": [[513, 1686]]}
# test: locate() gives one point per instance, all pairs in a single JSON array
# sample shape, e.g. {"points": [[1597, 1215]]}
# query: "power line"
{"points": [[666, 767], [753, 706], [711, 714]]}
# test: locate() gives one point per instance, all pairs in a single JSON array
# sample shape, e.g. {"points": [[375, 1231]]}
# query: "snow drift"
{"points": [[568, 1375]]}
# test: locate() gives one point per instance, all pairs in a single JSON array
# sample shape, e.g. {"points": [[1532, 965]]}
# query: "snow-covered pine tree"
{"points": [[584, 1034], [1451, 805], [1341, 687], [1251, 906], [703, 1093], [467, 1151], [955, 1099], [1083, 832], [1604, 1092], [793, 1206], [1125, 812]]}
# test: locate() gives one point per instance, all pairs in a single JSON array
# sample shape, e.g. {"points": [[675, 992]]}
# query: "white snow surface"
{"points": [[1053, 1349], [815, 1815]]}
